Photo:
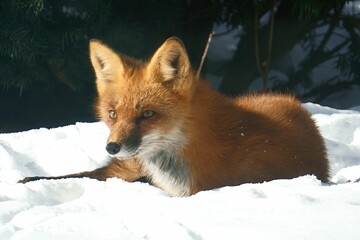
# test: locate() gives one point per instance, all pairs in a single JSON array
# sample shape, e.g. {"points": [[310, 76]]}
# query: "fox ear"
{"points": [[170, 62], [106, 63]]}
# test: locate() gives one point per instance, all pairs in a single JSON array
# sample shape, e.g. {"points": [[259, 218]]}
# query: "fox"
{"points": [[172, 128]]}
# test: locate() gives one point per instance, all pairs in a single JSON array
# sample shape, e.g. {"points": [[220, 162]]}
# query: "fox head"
{"points": [[144, 103]]}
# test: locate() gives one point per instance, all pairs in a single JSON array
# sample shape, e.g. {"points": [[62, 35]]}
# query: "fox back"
{"points": [[187, 137]]}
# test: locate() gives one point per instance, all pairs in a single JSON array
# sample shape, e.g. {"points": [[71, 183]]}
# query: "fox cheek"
{"points": [[133, 141]]}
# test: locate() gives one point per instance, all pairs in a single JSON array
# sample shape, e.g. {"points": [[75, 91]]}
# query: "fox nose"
{"points": [[113, 148]]}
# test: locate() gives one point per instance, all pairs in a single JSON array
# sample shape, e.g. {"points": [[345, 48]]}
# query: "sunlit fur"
{"points": [[197, 139]]}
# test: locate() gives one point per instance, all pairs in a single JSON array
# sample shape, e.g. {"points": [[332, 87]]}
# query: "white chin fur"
{"points": [[162, 160], [124, 155], [161, 155], [156, 142]]}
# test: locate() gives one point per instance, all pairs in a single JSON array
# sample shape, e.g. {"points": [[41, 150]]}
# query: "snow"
{"points": [[300, 208]]}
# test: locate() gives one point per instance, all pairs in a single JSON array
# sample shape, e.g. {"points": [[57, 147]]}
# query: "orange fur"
{"points": [[185, 137]]}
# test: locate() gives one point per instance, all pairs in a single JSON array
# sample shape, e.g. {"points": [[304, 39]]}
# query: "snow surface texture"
{"points": [[300, 208]]}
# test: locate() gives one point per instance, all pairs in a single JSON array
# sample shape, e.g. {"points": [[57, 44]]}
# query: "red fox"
{"points": [[175, 130]]}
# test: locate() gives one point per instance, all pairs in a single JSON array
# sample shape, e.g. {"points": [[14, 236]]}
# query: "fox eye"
{"points": [[147, 114], [112, 114]]}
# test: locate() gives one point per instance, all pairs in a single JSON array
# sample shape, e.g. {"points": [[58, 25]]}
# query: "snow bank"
{"points": [[300, 208]]}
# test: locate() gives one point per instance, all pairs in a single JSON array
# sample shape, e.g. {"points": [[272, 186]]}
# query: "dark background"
{"points": [[310, 48]]}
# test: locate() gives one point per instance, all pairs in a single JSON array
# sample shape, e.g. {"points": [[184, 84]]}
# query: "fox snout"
{"points": [[124, 145], [113, 148]]}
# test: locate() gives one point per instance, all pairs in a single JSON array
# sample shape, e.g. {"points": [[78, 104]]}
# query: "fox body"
{"points": [[175, 130]]}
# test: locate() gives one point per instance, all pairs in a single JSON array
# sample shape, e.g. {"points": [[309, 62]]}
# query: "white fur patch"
{"points": [[162, 160], [123, 154], [168, 71]]}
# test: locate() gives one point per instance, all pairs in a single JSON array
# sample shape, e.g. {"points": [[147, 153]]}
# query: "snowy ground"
{"points": [[301, 208]]}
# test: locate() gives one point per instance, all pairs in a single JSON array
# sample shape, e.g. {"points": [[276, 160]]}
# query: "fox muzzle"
{"points": [[113, 148]]}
